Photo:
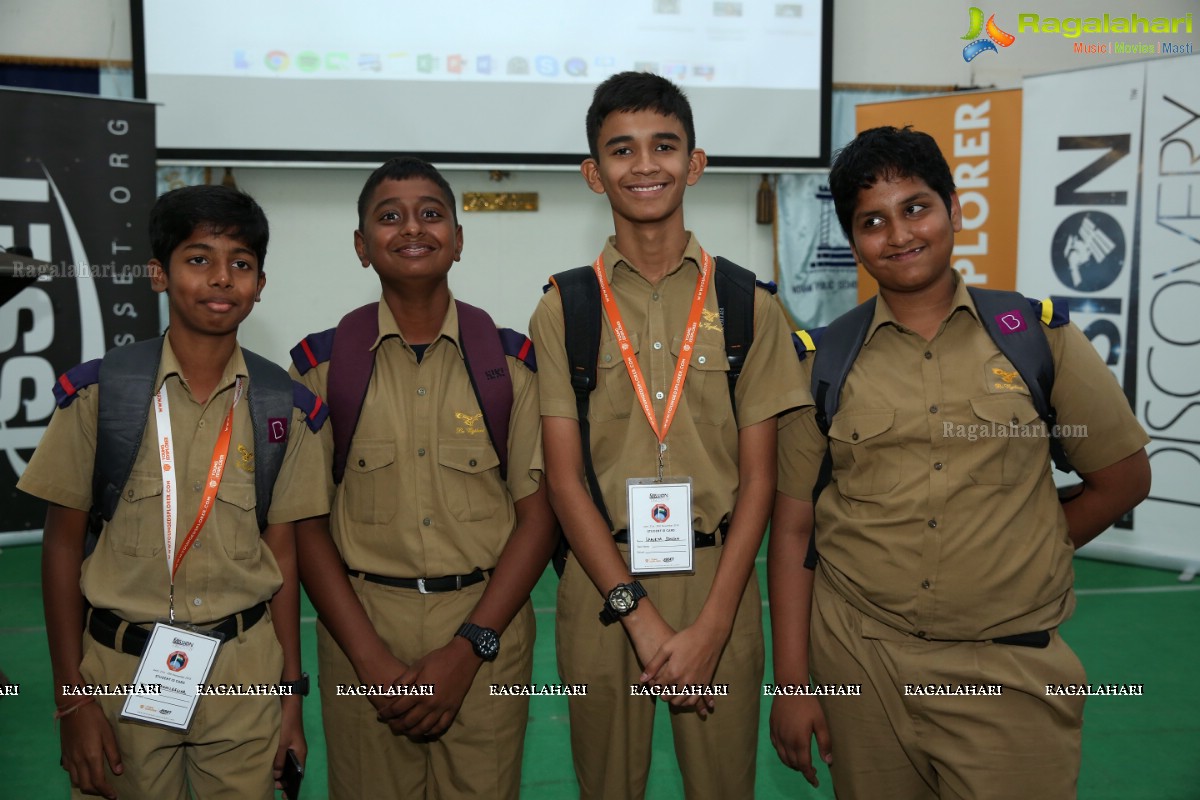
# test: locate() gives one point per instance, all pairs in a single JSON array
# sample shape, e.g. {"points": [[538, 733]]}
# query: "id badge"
{"points": [[660, 525], [178, 659]]}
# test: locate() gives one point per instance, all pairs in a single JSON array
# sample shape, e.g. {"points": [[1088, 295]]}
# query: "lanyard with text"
{"points": [[631, 360], [166, 454]]}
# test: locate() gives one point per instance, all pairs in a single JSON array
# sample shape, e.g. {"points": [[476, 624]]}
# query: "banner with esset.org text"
{"points": [[76, 187], [1110, 224]]}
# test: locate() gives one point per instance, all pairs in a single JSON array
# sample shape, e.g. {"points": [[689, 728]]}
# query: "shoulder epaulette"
{"points": [[519, 346], [314, 349], [770, 286], [805, 341], [314, 408], [67, 387], [1052, 314]]}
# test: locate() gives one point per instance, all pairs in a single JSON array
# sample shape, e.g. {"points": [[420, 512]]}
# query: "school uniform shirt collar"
{"points": [[168, 365], [388, 326], [613, 257], [961, 300]]}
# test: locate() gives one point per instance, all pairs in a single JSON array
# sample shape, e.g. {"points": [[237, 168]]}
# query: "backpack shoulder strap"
{"points": [[582, 318], [1012, 320], [351, 362], [270, 397], [841, 341], [126, 378], [735, 299], [484, 353]]}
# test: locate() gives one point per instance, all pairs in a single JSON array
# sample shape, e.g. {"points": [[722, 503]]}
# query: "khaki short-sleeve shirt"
{"points": [[702, 443], [942, 519], [422, 495], [228, 569]]}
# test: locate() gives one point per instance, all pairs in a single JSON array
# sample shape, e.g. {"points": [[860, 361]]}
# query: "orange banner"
{"points": [[980, 136]]}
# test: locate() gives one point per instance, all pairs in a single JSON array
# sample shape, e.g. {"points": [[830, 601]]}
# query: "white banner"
{"points": [[1110, 221], [815, 269]]}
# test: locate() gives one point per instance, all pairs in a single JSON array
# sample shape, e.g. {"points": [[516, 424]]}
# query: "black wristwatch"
{"points": [[621, 601], [298, 686], [485, 641]]}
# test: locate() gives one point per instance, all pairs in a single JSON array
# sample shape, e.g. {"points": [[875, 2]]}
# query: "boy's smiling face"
{"points": [[409, 231], [643, 165], [902, 234], [212, 282]]}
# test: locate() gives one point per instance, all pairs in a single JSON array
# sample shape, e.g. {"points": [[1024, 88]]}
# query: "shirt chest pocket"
{"points": [[614, 397], [1011, 442], [471, 485], [233, 520], [372, 481], [707, 384], [137, 525], [866, 457]]}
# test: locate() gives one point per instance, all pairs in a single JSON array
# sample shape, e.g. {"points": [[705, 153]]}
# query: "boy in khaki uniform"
{"points": [[209, 243], [687, 630], [429, 556], [945, 552]]}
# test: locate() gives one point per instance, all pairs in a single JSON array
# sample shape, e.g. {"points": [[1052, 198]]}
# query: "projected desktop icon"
{"points": [[455, 64], [675, 72], [547, 66], [426, 63], [518, 66], [308, 61], [705, 71], [605, 62], [370, 62], [575, 67], [483, 65], [239, 60], [277, 61], [337, 62]]}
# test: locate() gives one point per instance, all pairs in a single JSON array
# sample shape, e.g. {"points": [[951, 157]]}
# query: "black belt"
{"points": [[1038, 639], [702, 539], [446, 583], [103, 625]]}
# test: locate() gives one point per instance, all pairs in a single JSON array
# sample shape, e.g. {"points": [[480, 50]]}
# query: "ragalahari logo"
{"points": [[995, 36]]}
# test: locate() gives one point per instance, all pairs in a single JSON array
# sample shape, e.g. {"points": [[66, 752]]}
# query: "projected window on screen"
{"points": [[474, 80]]}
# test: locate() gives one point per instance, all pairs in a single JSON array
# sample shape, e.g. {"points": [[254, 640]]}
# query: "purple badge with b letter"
{"points": [[277, 429], [1011, 321]]}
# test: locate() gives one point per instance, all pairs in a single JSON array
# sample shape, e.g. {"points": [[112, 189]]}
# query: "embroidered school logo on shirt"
{"points": [[1007, 377], [470, 423], [245, 460], [710, 321]]}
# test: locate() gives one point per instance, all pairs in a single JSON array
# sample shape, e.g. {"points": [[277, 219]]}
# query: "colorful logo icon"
{"points": [[575, 67], [308, 61], [177, 661], [426, 63], [239, 60], [455, 64], [483, 65], [518, 66], [277, 61], [995, 36], [547, 66], [336, 62], [370, 62], [660, 513]]}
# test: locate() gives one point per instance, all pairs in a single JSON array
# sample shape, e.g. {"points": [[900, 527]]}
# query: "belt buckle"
{"points": [[421, 586]]}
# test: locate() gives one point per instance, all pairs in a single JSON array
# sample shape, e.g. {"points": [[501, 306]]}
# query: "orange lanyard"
{"points": [[215, 471], [630, 357]]}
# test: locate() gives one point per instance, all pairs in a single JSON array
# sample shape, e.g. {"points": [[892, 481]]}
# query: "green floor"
{"points": [[1132, 626]]}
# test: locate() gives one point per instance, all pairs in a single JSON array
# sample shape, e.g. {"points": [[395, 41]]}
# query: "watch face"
{"points": [[621, 599], [488, 644]]}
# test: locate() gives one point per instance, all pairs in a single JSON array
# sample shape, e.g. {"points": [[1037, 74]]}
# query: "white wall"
{"points": [[314, 276]]}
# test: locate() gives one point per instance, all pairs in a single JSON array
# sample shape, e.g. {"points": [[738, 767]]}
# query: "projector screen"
{"points": [[479, 82]]}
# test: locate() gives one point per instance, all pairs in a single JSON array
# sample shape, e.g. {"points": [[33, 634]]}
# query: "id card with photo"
{"points": [[660, 525], [178, 659]]}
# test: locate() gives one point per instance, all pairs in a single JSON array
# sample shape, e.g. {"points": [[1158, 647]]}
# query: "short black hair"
{"points": [[638, 91], [403, 168], [883, 154], [220, 209]]}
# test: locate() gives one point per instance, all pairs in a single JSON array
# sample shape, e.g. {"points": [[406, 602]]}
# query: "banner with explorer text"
{"points": [[1110, 224], [76, 187]]}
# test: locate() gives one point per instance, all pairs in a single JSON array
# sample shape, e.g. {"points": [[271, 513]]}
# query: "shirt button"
{"points": [[933, 409], [921, 634], [473, 462], [854, 436], [427, 522], [201, 423], [654, 296], [196, 545], [362, 462], [658, 395], [421, 391], [924, 584], [928, 355], [196, 601], [701, 360], [938, 465], [129, 494], [658, 345], [420, 451], [607, 357], [933, 523]]}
